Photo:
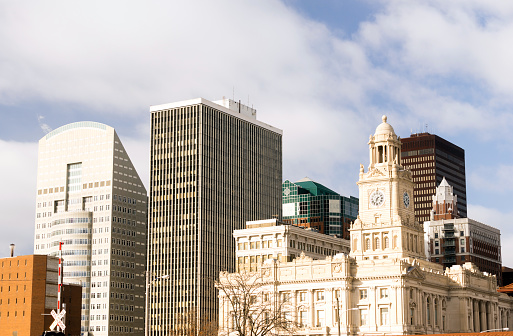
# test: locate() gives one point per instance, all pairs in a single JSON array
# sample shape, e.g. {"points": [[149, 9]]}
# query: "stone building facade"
{"points": [[385, 285], [271, 239]]}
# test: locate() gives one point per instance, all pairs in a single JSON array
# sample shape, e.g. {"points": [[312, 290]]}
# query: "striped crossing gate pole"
{"points": [[59, 282]]}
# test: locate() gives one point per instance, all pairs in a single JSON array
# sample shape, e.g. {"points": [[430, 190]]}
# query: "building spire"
{"points": [[444, 202]]}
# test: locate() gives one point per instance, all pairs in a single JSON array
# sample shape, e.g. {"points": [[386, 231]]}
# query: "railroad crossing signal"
{"points": [[58, 319]]}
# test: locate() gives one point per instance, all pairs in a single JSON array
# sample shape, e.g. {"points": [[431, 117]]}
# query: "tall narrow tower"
{"points": [[90, 197], [386, 226], [214, 166], [445, 203]]}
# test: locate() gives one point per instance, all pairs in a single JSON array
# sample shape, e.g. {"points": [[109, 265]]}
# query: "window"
{"points": [[462, 233], [386, 242], [436, 235], [462, 250], [367, 244], [462, 241], [303, 319], [285, 296], [383, 293], [437, 243], [437, 251], [384, 316], [363, 294], [363, 317], [302, 296], [320, 295], [320, 318]]}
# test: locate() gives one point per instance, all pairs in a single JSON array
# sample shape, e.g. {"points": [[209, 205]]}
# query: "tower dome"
{"points": [[384, 128]]}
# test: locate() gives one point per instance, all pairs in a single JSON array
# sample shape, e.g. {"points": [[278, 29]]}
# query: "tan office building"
{"points": [[214, 166]]}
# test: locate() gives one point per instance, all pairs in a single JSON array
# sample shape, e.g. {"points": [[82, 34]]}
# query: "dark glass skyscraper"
{"points": [[431, 158], [309, 204], [213, 167]]}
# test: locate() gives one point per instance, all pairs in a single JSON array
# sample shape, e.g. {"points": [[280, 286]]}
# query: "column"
{"points": [[294, 306], [477, 318], [482, 315], [347, 302], [312, 307], [329, 319], [373, 321], [221, 312]]}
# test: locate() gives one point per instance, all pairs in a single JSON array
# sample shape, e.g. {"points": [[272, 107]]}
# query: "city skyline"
{"points": [[322, 72]]}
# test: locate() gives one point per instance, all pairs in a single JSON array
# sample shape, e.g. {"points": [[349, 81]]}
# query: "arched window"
{"points": [[367, 244], [386, 243], [376, 243], [394, 243]]}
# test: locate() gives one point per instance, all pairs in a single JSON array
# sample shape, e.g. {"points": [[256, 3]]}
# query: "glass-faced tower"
{"points": [[386, 226]]}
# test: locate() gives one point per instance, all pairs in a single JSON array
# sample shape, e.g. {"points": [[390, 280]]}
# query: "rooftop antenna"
{"points": [[233, 98]]}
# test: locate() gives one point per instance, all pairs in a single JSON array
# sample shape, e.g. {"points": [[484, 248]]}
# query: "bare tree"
{"points": [[189, 325], [251, 306]]}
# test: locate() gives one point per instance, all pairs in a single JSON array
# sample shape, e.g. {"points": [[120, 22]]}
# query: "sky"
{"points": [[323, 71]]}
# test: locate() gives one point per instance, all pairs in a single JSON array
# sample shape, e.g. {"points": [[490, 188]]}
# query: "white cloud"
{"points": [[429, 61], [18, 168], [492, 178], [498, 219], [44, 127]]}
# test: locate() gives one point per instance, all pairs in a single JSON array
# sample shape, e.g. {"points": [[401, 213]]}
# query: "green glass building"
{"points": [[309, 204]]}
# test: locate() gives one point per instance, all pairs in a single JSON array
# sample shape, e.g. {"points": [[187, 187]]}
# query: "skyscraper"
{"points": [[214, 166], [90, 197], [307, 203], [431, 158]]}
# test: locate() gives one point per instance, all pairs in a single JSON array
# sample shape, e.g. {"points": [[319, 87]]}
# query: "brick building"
{"points": [[28, 293]]}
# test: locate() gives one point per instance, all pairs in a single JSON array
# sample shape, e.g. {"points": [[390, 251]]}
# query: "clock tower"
{"points": [[386, 227]]}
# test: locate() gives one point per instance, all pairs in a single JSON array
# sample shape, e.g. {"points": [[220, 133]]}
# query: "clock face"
{"points": [[406, 199], [377, 198]]}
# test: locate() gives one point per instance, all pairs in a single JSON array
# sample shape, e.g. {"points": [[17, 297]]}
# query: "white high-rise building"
{"points": [[90, 198]]}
